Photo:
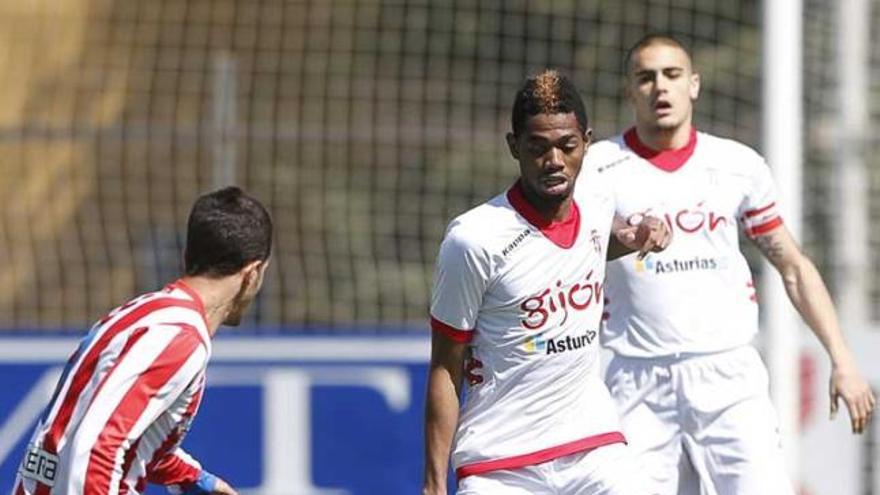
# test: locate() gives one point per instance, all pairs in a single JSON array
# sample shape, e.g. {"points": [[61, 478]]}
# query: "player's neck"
{"points": [[664, 139], [217, 295]]}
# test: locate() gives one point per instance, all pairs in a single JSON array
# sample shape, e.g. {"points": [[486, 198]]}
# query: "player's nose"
{"points": [[554, 160]]}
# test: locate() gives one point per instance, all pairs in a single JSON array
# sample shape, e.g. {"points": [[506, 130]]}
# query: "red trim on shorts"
{"points": [[666, 160], [562, 233], [540, 456], [758, 211], [456, 335], [765, 227]]}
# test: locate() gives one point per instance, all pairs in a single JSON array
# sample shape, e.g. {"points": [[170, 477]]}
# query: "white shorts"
{"points": [[607, 470], [713, 409]]}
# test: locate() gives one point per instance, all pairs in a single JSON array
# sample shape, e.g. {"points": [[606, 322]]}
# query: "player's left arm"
{"points": [[810, 297]]}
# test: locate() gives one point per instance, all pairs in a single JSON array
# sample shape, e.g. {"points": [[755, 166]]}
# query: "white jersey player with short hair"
{"points": [[706, 192], [689, 384], [124, 402], [679, 319], [527, 296]]}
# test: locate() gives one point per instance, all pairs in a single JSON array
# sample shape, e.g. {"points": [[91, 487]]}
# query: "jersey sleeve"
{"points": [[177, 469], [759, 212], [461, 276]]}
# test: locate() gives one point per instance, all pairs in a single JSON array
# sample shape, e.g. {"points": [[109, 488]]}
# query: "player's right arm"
{"points": [[461, 276], [441, 409]]}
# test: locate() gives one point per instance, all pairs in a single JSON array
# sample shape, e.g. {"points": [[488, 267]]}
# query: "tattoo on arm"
{"points": [[770, 246]]}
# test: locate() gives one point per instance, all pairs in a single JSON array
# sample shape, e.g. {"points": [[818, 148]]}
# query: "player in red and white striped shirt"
{"points": [[131, 389]]}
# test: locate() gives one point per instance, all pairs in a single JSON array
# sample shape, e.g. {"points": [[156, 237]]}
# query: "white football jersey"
{"points": [[527, 295], [698, 295]]}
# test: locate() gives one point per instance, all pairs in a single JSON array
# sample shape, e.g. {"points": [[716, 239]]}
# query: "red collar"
{"points": [[180, 284], [562, 233], [668, 160]]}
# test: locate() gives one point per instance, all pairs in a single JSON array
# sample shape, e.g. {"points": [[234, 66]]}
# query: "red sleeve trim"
{"points": [[540, 456], [758, 211], [460, 336], [765, 227]]}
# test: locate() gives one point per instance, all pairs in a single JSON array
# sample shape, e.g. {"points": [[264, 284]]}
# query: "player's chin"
{"points": [[557, 191], [668, 122], [233, 320]]}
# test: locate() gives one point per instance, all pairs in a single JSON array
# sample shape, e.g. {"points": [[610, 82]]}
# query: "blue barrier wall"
{"points": [[282, 415]]}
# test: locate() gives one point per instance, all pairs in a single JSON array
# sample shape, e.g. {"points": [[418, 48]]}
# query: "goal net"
{"points": [[364, 126]]}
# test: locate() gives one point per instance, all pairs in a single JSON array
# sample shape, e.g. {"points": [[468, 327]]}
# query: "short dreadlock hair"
{"points": [[547, 93]]}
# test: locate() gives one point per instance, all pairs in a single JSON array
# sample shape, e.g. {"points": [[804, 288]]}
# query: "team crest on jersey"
{"points": [[596, 239]]}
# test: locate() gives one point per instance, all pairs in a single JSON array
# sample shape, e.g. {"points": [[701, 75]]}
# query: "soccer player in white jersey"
{"points": [[131, 389], [687, 380], [515, 311]]}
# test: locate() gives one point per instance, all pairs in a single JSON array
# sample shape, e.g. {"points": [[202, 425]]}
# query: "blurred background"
{"points": [[365, 126]]}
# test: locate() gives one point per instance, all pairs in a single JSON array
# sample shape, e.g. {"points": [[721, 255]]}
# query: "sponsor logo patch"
{"points": [[655, 265], [39, 465]]}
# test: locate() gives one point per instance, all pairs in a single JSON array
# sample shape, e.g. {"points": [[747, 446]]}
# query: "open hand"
{"points": [[846, 383]]}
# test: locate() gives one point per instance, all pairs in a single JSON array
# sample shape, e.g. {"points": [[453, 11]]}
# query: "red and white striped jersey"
{"points": [[124, 402], [697, 296]]}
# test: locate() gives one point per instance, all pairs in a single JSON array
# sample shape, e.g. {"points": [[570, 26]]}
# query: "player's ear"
{"points": [[252, 273], [694, 89], [588, 137], [511, 145]]}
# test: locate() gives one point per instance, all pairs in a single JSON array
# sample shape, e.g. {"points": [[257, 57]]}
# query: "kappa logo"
{"points": [[613, 164], [516, 241]]}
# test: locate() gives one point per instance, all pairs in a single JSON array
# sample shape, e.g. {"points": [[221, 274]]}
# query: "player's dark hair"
{"points": [[547, 93], [652, 39], [226, 230]]}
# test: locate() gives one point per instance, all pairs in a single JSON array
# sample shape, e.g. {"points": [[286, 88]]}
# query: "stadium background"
{"points": [[364, 126]]}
